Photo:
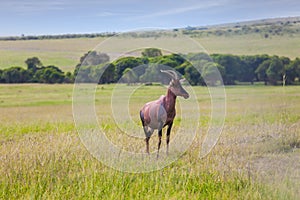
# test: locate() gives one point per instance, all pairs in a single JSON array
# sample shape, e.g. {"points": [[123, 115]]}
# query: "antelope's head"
{"points": [[175, 84]]}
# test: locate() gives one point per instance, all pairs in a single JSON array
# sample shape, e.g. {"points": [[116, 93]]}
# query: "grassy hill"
{"points": [[274, 37], [252, 44]]}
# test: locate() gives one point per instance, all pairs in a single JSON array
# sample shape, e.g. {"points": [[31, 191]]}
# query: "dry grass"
{"points": [[257, 156]]}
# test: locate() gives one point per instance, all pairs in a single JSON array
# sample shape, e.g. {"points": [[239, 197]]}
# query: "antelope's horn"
{"points": [[172, 73]]}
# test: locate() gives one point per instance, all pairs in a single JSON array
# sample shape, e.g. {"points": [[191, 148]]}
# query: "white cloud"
{"points": [[184, 9]]}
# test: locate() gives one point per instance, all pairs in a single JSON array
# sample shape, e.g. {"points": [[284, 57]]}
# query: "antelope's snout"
{"points": [[186, 95]]}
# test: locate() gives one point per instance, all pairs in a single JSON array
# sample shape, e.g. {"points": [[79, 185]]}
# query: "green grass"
{"points": [[65, 53], [42, 157], [34, 95], [252, 44]]}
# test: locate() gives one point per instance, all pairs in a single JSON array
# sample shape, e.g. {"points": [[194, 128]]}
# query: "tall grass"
{"points": [[257, 156], [57, 166]]}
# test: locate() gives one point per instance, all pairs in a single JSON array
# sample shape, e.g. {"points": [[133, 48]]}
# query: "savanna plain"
{"points": [[42, 156], [256, 157]]}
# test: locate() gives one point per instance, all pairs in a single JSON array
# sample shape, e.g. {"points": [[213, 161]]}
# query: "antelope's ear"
{"points": [[182, 80], [172, 82]]}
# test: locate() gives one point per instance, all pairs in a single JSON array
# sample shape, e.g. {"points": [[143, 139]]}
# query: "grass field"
{"points": [[253, 44], [257, 156], [65, 53]]}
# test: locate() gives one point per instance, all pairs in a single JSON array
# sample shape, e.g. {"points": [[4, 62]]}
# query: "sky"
{"points": [[32, 17]]}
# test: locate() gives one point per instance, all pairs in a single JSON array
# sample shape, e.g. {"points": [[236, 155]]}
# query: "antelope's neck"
{"points": [[170, 100]]}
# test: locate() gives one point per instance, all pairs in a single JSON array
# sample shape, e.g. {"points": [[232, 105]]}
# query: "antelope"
{"points": [[161, 112]]}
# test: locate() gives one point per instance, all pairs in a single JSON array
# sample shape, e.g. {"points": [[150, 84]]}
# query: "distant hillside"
{"points": [[260, 22], [268, 27]]}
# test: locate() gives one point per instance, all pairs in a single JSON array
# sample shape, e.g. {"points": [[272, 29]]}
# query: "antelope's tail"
{"points": [[142, 117]]}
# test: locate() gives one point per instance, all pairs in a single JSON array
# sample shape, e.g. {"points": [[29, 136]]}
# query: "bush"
{"points": [[15, 75]]}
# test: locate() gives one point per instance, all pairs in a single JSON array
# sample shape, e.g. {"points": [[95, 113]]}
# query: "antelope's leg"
{"points": [[147, 144], [159, 141], [148, 132], [168, 136]]}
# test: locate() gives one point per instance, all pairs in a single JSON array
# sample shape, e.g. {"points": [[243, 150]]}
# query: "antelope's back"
{"points": [[153, 114]]}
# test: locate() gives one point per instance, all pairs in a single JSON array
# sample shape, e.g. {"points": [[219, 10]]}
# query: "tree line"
{"points": [[35, 73], [197, 68], [54, 37]]}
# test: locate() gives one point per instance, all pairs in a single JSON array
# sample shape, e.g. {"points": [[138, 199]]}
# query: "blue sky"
{"points": [[31, 17]]}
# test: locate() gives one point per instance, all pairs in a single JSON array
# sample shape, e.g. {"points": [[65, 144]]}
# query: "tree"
{"points": [[108, 75], [292, 71], [285, 60], [102, 74], [1, 79], [15, 75], [275, 70], [192, 75], [91, 58], [84, 75], [127, 62], [168, 62], [49, 74], [151, 52], [94, 58], [181, 68], [271, 70], [212, 73], [129, 76], [297, 68], [249, 65], [231, 64], [69, 78], [33, 64], [172, 60], [261, 71], [177, 57], [153, 74], [247, 71], [198, 57]]}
